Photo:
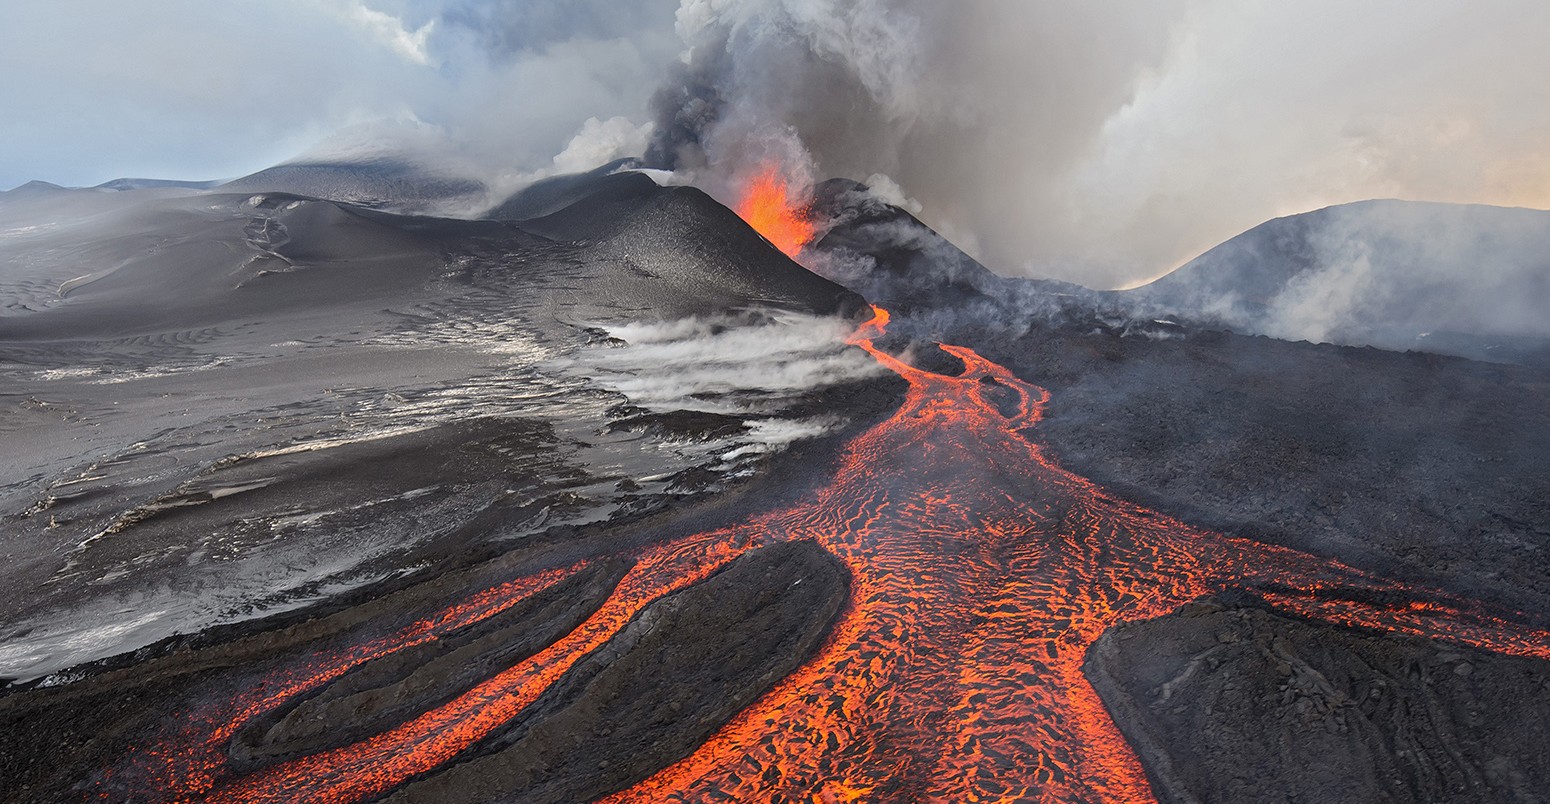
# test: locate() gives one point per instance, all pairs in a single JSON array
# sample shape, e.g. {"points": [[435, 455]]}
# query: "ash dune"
{"points": [[305, 466]]}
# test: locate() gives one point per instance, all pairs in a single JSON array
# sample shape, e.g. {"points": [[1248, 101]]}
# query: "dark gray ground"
{"points": [[1441, 465], [1232, 703], [241, 428], [1418, 466]]}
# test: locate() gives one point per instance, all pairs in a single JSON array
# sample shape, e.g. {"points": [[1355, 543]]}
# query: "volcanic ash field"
{"points": [[610, 495]]}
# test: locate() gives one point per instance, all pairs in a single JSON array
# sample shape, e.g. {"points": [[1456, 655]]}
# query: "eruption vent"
{"points": [[767, 206]]}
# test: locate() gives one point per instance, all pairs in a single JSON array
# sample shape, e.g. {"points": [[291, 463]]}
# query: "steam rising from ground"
{"points": [[716, 365], [1391, 274], [758, 367]]}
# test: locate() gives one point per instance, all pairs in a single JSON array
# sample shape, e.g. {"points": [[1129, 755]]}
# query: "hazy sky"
{"points": [[1100, 141]]}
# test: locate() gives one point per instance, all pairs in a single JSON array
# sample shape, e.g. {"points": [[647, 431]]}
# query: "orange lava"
{"points": [[981, 572], [767, 206]]}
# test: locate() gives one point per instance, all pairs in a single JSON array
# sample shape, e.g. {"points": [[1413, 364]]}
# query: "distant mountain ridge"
{"points": [[399, 185], [1468, 280], [1464, 279]]}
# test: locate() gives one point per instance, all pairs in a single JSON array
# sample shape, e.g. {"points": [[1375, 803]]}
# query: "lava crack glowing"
{"points": [[981, 572]]}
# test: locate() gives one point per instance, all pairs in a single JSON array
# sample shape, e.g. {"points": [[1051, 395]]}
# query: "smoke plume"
{"points": [[1105, 143], [1100, 142]]}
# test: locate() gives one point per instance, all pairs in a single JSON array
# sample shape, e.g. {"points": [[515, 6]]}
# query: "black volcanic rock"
{"points": [[682, 668], [380, 694], [1232, 703], [893, 259]]}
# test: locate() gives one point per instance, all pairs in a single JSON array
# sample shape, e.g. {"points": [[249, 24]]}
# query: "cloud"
{"points": [[184, 89], [1102, 142], [1106, 142], [761, 367], [387, 29], [187, 89]]}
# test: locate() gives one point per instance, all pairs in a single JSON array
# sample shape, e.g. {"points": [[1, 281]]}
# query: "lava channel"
{"points": [[981, 573]]}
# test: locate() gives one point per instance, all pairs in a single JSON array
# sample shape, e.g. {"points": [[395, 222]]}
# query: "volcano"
{"points": [[602, 496]]}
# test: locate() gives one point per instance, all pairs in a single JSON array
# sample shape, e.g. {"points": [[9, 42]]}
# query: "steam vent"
{"points": [[758, 401]]}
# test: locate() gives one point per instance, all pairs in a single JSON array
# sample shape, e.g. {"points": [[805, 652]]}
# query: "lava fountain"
{"points": [[981, 573], [767, 206]]}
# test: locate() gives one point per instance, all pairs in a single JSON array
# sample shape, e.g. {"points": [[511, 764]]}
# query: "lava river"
{"points": [[980, 574]]}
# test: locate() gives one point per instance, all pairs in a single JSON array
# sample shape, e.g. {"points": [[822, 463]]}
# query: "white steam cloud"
{"points": [[1470, 280], [726, 366], [1102, 142], [762, 369], [1106, 142]]}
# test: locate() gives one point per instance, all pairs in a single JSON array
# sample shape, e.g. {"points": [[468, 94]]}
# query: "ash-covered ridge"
{"points": [[222, 406]]}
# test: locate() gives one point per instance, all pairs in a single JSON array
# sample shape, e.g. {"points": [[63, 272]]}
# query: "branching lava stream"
{"points": [[981, 572]]}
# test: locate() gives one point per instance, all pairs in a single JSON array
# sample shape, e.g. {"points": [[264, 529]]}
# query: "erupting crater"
{"points": [[981, 572], [767, 206]]}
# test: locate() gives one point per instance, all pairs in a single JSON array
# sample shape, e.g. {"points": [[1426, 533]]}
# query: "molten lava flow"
{"points": [[981, 573], [767, 206]]}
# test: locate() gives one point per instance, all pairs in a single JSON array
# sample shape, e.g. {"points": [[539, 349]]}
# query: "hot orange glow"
{"points": [[981, 572], [767, 206]]}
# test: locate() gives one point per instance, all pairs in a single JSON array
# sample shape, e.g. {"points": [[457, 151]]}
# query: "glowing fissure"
{"points": [[767, 206], [981, 573]]}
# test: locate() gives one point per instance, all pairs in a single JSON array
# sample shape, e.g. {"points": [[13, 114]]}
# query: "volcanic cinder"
{"points": [[375, 526]]}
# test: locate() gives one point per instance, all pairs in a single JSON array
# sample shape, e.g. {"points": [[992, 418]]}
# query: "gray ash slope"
{"points": [[388, 183], [218, 407], [246, 428], [1426, 467]]}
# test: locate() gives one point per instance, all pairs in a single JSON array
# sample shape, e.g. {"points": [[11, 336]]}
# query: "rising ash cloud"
{"points": [[1103, 142]]}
